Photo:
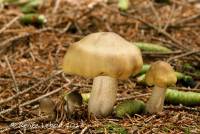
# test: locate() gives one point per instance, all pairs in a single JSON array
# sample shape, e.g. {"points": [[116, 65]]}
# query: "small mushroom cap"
{"points": [[47, 105], [105, 54], [47, 108], [161, 74], [74, 98]]}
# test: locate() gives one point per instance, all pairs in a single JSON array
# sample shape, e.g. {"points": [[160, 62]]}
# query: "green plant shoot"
{"points": [[149, 47], [181, 97], [129, 107]]}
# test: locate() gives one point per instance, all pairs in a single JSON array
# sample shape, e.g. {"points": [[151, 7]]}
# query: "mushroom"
{"points": [[161, 75], [47, 108], [106, 57], [73, 100]]}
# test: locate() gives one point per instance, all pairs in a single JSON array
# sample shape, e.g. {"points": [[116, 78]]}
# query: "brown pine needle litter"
{"points": [[31, 58]]}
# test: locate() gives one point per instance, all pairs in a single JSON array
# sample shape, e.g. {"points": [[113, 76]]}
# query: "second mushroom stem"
{"points": [[156, 101], [103, 95]]}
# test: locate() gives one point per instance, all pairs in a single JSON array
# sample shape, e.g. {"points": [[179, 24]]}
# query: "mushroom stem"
{"points": [[103, 96], [156, 101]]}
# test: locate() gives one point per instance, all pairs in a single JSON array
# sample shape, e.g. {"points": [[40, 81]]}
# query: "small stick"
{"points": [[155, 13], [43, 96], [10, 40], [80, 16], [133, 97], [28, 89], [67, 27], [12, 74], [78, 27], [9, 110], [198, 84], [162, 32], [186, 89], [84, 130], [132, 122], [150, 118], [9, 24], [57, 4], [36, 99], [170, 17], [7, 43], [183, 55], [161, 53], [180, 46], [181, 107], [188, 19]]}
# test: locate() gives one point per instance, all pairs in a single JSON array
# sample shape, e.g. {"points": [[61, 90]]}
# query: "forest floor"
{"points": [[30, 60]]}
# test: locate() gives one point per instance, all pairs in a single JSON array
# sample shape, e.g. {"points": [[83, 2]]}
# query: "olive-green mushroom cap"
{"points": [[105, 54], [161, 74]]}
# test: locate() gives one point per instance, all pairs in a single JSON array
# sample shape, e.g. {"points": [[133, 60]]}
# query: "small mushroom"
{"points": [[161, 75], [47, 108], [73, 100], [106, 57]]}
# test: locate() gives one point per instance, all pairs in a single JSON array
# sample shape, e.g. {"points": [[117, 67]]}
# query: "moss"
{"points": [[129, 107], [186, 130], [112, 128]]}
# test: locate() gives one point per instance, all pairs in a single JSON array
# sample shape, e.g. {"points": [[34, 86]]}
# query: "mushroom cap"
{"points": [[47, 105], [160, 74], [105, 54]]}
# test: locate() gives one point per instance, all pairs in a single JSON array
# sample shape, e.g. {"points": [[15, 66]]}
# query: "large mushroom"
{"points": [[106, 57], [161, 75]]}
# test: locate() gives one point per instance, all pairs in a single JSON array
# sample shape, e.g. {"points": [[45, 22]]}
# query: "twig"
{"points": [[78, 27], [9, 24], [36, 99], [84, 130], [163, 32], [183, 55], [67, 27], [132, 97], [90, 9], [150, 118], [9, 110], [157, 29], [132, 122], [170, 17], [57, 4], [198, 84], [43, 96], [155, 13], [161, 53], [12, 74], [28, 89], [181, 107], [190, 18], [186, 89], [7, 43]]}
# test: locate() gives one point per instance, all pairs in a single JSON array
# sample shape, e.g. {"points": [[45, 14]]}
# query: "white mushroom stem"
{"points": [[103, 96], [156, 101]]}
